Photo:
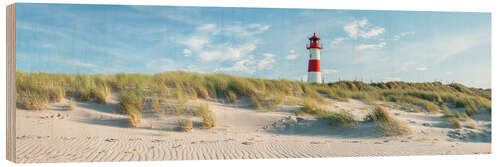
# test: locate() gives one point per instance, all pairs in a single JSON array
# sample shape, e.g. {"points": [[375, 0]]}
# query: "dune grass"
{"points": [[134, 116], [310, 106], [386, 124], [156, 104], [207, 115], [263, 102], [36, 90], [100, 93], [131, 104], [70, 106], [185, 124], [445, 110], [453, 121], [335, 93], [458, 119], [341, 118]]}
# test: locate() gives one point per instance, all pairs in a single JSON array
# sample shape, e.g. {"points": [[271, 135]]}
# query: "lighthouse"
{"points": [[314, 72]]}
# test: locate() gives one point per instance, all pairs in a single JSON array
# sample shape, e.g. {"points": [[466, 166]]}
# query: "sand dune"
{"points": [[94, 132]]}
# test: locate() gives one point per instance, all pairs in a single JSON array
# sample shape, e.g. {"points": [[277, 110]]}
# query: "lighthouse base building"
{"points": [[314, 70]]}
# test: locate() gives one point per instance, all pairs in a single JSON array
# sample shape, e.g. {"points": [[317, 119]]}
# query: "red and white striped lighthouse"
{"points": [[314, 72]]}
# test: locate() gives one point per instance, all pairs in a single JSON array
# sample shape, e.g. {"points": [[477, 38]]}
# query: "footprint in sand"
{"points": [[228, 140], [247, 143], [177, 146], [156, 141], [111, 140]]}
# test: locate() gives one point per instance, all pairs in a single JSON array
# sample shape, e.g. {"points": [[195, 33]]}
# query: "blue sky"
{"points": [[255, 42]]}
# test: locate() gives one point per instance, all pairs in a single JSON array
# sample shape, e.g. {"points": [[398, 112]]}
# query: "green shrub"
{"points": [[231, 96], [185, 125], [311, 93], [386, 124], [100, 93], [453, 121], [207, 115], [70, 105], [32, 101], [256, 101], [310, 106], [274, 101], [446, 110], [85, 94], [342, 118], [155, 104], [131, 99], [134, 115]]}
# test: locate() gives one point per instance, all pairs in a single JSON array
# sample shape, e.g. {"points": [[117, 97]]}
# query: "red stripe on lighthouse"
{"points": [[314, 66]]}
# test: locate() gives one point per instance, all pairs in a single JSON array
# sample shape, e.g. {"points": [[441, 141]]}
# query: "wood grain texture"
{"points": [[11, 82]]}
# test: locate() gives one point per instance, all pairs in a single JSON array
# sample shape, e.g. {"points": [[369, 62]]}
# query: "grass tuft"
{"points": [[131, 105], [70, 105], [207, 115], [342, 118], [453, 121], [386, 124], [100, 93], [185, 125], [134, 116], [310, 106]]}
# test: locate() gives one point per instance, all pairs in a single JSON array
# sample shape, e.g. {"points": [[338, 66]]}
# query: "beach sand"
{"points": [[93, 132]]}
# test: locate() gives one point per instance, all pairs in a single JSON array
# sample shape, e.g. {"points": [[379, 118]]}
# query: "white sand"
{"points": [[93, 132]]}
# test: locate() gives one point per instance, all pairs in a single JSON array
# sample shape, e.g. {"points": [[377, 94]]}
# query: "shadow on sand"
{"points": [[322, 128]]}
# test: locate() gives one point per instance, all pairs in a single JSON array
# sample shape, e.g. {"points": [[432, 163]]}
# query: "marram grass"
{"points": [[35, 90]]}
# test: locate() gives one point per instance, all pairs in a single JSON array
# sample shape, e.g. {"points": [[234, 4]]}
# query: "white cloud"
{"points": [[266, 62], [437, 49], [372, 32], [400, 35], [390, 79], [291, 55], [360, 28], [163, 64], [371, 46], [353, 28], [268, 55], [206, 27], [337, 41], [186, 52], [421, 68], [77, 63], [203, 42], [403, 34], [244, 65], [196, 42], [245, 30]]}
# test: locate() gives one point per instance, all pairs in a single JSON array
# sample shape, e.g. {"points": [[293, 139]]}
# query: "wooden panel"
{"points": [[11, 82]]}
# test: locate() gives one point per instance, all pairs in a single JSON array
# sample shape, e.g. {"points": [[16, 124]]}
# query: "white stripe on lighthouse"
{"points": [[314, 77]]}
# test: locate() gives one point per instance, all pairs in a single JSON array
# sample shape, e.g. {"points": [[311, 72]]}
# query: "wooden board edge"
{"points": [[11, 82]]}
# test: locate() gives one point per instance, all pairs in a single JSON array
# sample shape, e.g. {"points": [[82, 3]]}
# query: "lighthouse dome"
{"points": [[314, 37]]}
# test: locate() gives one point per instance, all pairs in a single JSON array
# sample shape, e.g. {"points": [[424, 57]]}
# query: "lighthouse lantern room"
{"points": [[314, 72]]}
